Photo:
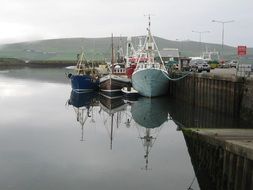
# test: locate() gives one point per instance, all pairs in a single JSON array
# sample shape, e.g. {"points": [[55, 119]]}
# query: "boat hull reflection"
{"points": [[111, 104], [150, 112], [82, 99]]}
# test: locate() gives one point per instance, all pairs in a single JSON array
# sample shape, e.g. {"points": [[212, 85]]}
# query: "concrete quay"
{"points": [[222, 158], [237, 141]]}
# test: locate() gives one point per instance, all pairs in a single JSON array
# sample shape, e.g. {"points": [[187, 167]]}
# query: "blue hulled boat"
{"points": [[86, 78], [83, 83]]}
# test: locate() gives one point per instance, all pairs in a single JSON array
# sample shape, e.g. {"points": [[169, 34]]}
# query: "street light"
{"points": [[180, 46], [200, 33], [222, 34]]}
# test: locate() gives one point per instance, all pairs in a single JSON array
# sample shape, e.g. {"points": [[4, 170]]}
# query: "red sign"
{"points": [[241, 50]]}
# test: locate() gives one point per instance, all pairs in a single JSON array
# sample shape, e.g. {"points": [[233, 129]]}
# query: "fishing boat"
{"points": [[86, 78], [150, 78], [112, 83], [132, 56]]}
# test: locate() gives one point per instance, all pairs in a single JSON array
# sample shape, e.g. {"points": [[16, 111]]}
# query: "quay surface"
{"points": [[222, 158]]}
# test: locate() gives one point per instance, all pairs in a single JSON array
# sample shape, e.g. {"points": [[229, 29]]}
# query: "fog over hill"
{"points": [[100, 48]]}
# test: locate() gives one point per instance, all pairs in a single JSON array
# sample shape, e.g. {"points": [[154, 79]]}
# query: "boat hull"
{"points": [[150, 82], [83, 83], [129, 93], [111, 85]]}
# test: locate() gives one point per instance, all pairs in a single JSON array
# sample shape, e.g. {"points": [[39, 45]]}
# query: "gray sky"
{"points": [[22, 20]]}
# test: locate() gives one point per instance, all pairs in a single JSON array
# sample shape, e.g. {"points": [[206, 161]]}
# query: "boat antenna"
{"points": [[149, 21]]}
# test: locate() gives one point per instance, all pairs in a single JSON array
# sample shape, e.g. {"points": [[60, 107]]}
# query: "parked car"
{"points": [[224, 65], [199, 65], [233, 63], [213, 64]]}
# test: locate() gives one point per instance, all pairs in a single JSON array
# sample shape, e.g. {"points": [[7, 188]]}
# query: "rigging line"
{"points": [[160, 128], [158, 50], [195, 176]]}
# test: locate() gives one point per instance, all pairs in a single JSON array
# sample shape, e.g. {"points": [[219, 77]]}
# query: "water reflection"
{"points": [[146, 115], [186, 115], [150, 114], [83, 104], [41, 148], [112, 110], [51, 75]]}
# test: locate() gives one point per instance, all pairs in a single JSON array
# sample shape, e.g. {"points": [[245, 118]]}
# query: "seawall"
{"points": [[231, 96], [222, 158]]}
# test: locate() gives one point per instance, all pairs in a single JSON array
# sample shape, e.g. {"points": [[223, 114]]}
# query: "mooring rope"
{"points": [[176, 79]]}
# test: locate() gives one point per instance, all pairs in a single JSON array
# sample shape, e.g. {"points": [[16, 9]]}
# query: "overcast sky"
{"points": [[23, 20]]}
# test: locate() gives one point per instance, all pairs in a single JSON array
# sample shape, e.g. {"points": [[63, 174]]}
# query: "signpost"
{"points": [[241, 69], [241, 50]]}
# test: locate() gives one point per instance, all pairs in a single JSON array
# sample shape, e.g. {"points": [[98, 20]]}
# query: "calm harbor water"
{"points": [[51, 138]]}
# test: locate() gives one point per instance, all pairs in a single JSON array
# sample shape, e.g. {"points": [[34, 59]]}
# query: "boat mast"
{"points": [[127, 51], [112, 60], [79, 66], [149, 43]]}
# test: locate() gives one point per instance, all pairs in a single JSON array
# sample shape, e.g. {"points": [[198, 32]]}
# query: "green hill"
{"points": [[98, 48]]}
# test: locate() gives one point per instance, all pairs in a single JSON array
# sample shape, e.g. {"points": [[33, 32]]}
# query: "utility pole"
{"points": [[222, 36], [200, 42]]}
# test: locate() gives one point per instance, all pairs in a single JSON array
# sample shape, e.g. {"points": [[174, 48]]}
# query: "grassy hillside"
{"points": [[98, 48]]}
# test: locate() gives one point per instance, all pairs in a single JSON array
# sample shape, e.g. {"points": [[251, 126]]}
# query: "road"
{"points": [[226, 72]]}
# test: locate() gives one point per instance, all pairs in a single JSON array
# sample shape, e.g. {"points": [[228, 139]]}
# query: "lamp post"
{"points": [[222, 36], [200, 33], [180, 46]]}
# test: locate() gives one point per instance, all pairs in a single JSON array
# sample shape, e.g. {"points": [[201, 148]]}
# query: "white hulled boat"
{"points": [[150, 78]]}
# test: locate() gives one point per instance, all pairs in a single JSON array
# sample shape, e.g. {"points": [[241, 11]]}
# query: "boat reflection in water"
{"points": [[83, 104], [147, 115], [150, 114], [113, 108]]}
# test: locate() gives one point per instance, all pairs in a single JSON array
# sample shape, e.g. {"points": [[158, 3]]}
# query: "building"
{"points": [[172, 59]]}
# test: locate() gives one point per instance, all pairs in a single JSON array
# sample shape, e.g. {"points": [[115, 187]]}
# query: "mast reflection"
{"points": [[150, 115], [113, 107], [83, 104], [147, 115]]}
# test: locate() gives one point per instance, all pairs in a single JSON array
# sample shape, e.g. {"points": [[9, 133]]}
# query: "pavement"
{"points": [[226, 73]]}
